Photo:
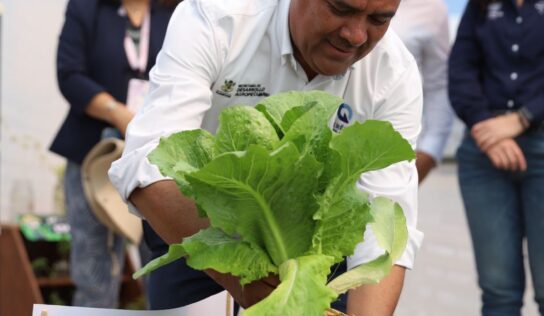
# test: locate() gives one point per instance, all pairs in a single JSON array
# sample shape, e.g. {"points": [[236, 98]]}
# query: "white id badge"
{"points": [[137, 91]]}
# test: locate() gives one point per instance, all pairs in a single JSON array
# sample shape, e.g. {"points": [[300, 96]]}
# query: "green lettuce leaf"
{"points": [[368, 273], [389, 226], [183, 153], [343, 212], [370, 146], [342, 218], [302, 290], [277, 108], [175, 252], [279, 188], [213, 249], [256, 195], [241, 126], [311, 133]]}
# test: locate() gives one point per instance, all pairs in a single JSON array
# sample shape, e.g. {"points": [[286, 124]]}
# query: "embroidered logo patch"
{"points": [[227, 88], [494, 11], [251, 90], [343, 117]]}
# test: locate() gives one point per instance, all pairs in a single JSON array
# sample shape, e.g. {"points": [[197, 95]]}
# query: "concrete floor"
{"points": [[443, 282]]}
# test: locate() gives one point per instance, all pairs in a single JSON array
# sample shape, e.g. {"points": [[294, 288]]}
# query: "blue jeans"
{"points": [[503, 208], [96, 254]]}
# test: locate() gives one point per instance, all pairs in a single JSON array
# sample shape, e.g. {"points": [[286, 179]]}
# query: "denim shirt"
{"points": [[497, 61]]}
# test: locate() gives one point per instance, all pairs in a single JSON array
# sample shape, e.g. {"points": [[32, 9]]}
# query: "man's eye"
{"points": [[337, 11], [378, 20]]}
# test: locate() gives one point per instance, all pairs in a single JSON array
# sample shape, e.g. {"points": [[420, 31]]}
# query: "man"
{"points": [[423, 27], [215, 50]]}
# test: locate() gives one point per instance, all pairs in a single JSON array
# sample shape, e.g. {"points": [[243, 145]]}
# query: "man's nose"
{"points": [[355, 32]]}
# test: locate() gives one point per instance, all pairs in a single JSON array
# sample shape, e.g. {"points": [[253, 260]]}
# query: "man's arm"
{"points": [[437, 112], [174, 216], [424, 164], [171, 215], [377, 299]]}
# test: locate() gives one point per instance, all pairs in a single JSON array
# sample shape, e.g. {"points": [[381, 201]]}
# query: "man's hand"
{"points": [[256, 291], [489, 132], [506, 155], [377, 299], [248, 294], [175, 217], [424, 164]]}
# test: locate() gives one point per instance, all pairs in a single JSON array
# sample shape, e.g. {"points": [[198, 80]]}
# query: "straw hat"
{"points": [[106, 203]]}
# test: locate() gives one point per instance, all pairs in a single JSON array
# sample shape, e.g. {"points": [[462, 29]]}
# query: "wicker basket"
{"points": [[334, 312]]}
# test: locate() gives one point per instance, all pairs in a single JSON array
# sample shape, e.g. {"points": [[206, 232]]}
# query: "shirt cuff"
{"points": [[432, 145], [142, 172], [536, 110]]}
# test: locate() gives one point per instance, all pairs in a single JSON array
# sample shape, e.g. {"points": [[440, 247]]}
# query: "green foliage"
{"points": [[40, 266], [279, 189]]}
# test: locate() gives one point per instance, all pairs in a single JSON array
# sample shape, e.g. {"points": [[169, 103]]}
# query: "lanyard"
{"points": [[139, 62]]}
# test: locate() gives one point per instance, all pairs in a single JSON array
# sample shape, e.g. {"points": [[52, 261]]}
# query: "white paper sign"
{"points": [[214, 305]]}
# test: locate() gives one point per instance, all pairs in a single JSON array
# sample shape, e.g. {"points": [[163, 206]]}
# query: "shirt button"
{"points": [[510, 104], [519, 20], [514, 76], [515, 48]]}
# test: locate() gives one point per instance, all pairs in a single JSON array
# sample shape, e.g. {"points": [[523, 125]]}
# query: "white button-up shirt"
{"points": [[221, 53], [423, 27]]}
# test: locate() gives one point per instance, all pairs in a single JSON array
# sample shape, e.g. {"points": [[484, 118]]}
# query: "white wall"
{"points": [[32, 108]]}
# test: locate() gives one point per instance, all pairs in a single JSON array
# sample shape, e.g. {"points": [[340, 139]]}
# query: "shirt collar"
{"points": [[284, 37]]}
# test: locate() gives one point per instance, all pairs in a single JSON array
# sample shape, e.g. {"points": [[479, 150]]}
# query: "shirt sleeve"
{"points": [[465, 89], [179, 96], [402, 106], [437, 112], [72, 59], [536, 109]]}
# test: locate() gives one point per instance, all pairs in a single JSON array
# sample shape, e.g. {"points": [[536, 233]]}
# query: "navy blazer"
{"points": [[497, 61], [91, 59]]}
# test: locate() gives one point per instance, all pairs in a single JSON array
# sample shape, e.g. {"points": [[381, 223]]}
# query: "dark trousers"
{"points": [[504, 210], [177, 284]]}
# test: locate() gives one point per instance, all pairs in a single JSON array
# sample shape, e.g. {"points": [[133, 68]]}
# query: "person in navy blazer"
{"points": [[94, 68], [496, 87]]}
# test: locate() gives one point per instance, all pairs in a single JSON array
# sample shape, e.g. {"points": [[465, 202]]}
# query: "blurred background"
{"points": [[31, 109]]}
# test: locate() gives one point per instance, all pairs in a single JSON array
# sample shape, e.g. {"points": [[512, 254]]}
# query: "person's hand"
{"points": [[249, 294], [506, 155], [120, 117], [487, 133], [424, 164], [256, 291]]}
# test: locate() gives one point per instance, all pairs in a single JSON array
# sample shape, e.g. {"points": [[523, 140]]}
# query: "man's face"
{"points": [[331, 35]]}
